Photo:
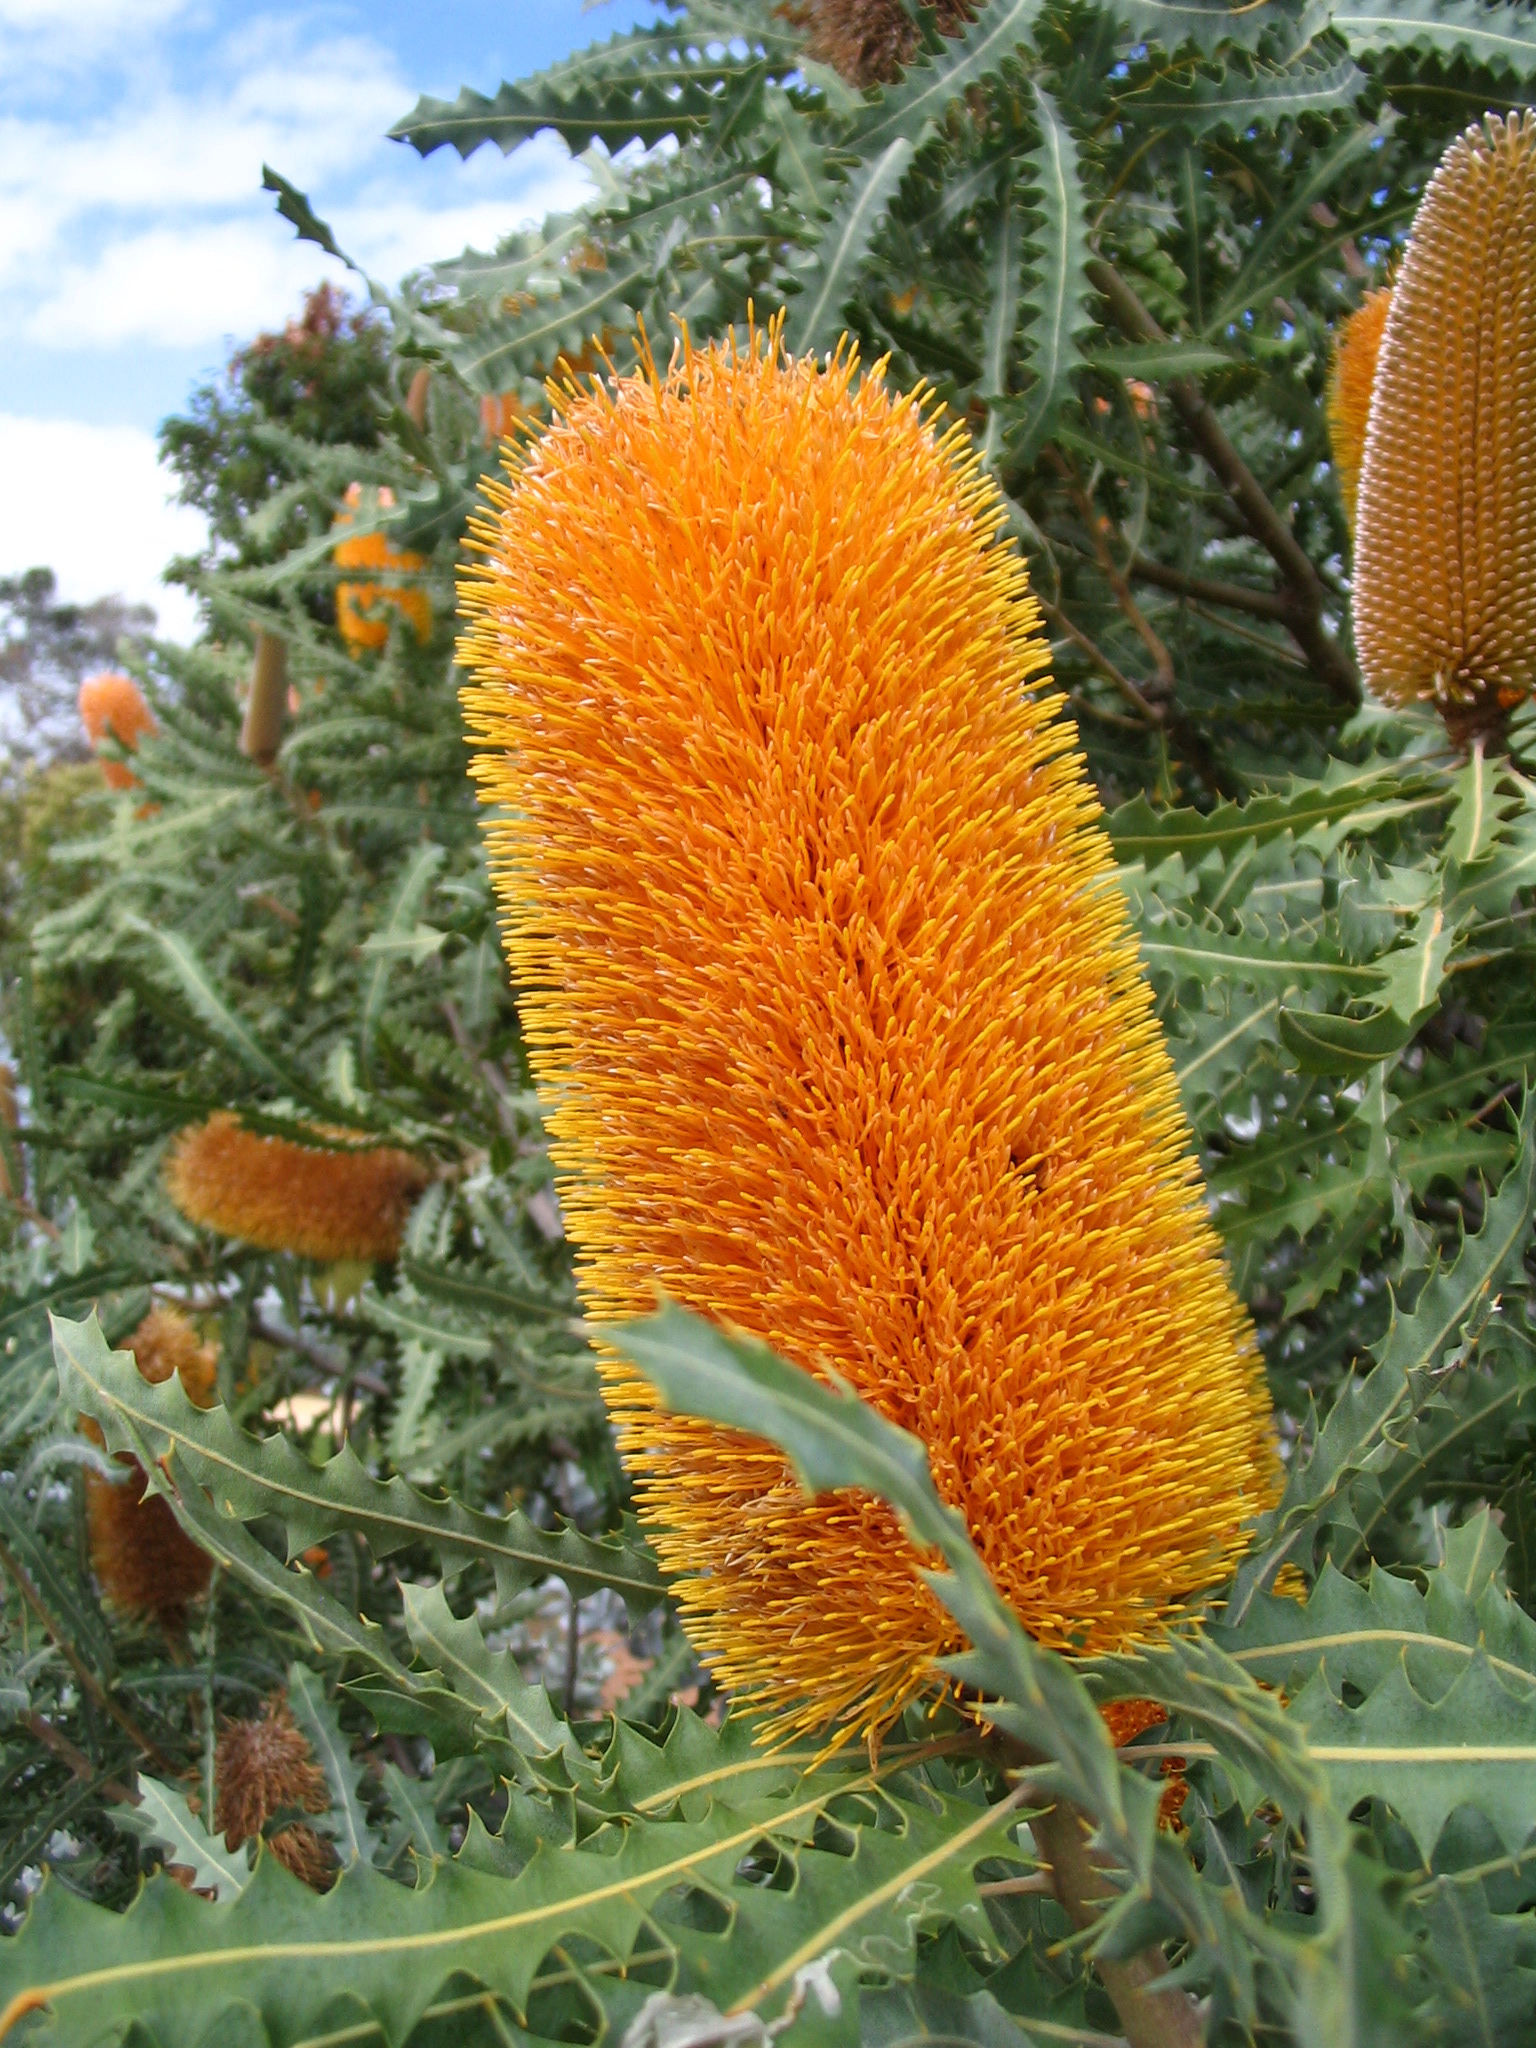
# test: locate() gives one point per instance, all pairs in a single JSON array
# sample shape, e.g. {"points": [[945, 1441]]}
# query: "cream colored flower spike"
{"points": [[1445, 545]]}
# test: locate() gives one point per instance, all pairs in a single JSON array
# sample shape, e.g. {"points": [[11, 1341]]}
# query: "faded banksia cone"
{"points": [[317, 1201], [841, 1022], [265, 1767], [1445, 546], [145, 1564]]}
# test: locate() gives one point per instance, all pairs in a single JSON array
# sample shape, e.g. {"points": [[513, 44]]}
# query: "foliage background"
{"points": [[1117, 240]]}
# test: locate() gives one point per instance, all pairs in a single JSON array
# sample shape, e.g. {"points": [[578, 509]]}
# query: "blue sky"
{"points": [[137, 248]]}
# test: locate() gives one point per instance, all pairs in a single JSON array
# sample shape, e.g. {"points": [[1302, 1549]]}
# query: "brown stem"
{"points": [[87, 1678], [1150, 2018], [1263, 604], [1098, 529], [1058, 620], [59, 1743], [416, 397], [1325, 657]]}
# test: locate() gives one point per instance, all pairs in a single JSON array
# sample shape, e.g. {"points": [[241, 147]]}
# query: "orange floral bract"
{"points": [[1350, 382], [114, 703], [1445, 544], [314, 1200], [838, 1016]]}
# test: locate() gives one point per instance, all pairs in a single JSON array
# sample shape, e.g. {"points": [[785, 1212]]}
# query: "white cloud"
{"points": [[78, 15], [92, 503], [180, 287]]}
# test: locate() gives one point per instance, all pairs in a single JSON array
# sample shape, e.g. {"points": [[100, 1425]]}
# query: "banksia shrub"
{"points": [[265, 1767], [1351, 378], [114, 703], [144, 1563], [1445, 548], [840, 1019], [318, 1201], [362, 609]]}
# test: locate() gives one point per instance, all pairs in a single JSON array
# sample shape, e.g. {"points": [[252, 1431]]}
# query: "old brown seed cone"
{"points": [[264, 1767], [146, 1566], [869, 41]]}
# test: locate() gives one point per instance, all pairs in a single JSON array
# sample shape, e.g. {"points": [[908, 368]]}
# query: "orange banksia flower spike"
{"points": [[839, 1018], [1350, 382], [317, 1201], [362, 609], [1445, 543], [264, 1767], [114, 704], [145, 1564]]}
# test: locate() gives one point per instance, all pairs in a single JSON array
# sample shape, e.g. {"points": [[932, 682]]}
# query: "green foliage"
{"points": [[321, 381], [1115, 241]]}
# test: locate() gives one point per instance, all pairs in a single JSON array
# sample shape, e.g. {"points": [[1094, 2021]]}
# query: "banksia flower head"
{"points": [[1350, 380], [113, 703], [265, 1767], [840, 1018], [318, 1201], [1445, 546], [144, 1563], [362, 609]]}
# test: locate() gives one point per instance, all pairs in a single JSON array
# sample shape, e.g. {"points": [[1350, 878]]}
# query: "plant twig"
{"points": [[1059, 622], [83, 1672], [1098, 527], [79, 1763], [1151, 2018], [1236, 597], [1326, 658]]}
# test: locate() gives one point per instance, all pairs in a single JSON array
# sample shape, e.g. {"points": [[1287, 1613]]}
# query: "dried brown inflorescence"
{"points": [[1445, 546], [265, 1767], [146, 1566], [869, 41], [318, 1201]]}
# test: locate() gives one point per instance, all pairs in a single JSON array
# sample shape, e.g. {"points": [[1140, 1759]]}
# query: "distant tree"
{"points": [[320, 381], [47, 647]]}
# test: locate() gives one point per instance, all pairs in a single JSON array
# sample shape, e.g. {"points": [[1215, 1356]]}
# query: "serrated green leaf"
{"points": [[1356, 1438], [172, 1962], [830, 275], [1051, 341], [162, 1816], [642, 86], [1502, 37], [909, 110], [248, 1477]]}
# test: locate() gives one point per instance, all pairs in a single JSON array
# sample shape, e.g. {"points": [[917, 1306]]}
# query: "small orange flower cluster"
{"points": [[1350, 382], [841, 1019], [1125, 1720], [144, 1563], [362, 609], [114, 703], [318, 1201], [264, 1767]]}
